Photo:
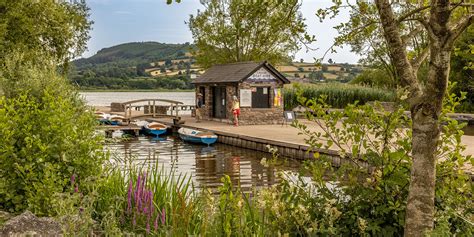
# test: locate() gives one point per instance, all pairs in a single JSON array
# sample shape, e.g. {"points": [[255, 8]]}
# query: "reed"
{"points": [[149, 200], [339, 95]]}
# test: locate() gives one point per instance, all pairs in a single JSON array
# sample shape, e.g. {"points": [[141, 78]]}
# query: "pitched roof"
{"points": [[236, 72]]}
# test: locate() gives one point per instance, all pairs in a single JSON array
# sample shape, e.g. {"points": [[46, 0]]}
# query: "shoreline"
{"points": [[135, 90]]}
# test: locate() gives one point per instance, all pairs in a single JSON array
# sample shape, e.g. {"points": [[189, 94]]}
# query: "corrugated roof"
{"points": [[235, 72]]}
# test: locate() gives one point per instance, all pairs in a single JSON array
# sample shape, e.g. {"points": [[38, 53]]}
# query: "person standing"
{"points": [[236, 110], [199, 105]]}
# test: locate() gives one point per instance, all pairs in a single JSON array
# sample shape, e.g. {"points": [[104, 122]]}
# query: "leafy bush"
{"points": [[47, 136], [338, 95], [371, 188]]}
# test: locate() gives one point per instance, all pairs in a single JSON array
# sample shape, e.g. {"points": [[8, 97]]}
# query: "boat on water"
{"points": [[196, 136], [110, 119], [155, 128], [116, 119]]}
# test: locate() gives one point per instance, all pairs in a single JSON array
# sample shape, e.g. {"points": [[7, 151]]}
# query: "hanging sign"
{"points": [[245, 98]]}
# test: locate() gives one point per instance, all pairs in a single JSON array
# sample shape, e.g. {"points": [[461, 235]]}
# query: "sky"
{"points": [[123, 21]]}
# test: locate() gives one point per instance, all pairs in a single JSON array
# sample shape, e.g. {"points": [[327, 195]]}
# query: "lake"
{"points": [[206, 165], [105, 98]]}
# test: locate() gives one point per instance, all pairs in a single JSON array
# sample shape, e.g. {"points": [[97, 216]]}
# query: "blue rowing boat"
{"points": [[196, 136], [155, 128]]}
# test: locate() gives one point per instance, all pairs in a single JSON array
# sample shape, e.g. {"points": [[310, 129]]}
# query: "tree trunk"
{"points": [[426, 129], [420, 203]]}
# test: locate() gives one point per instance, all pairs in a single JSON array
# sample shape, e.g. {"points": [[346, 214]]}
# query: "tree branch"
{"points": [[412, 33], [398, 52], [458, 28], [417, 61], [411, 13]]}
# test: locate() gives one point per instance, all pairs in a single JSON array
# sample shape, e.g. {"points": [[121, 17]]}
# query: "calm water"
{"points": [[206, 165], [105, 98]]}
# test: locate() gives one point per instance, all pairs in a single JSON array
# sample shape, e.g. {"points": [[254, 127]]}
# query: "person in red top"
{"points": [[236, 110]]}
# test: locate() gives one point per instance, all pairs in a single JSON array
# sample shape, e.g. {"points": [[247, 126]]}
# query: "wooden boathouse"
{"points": [[257, 85]]}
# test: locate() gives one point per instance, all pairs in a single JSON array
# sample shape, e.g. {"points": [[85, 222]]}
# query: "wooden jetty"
{"points": [[141, 110], [128, 129]]}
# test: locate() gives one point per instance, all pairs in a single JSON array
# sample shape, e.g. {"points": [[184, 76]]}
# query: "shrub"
{"points": [[338, 95], [47, 136], [371, 187]]}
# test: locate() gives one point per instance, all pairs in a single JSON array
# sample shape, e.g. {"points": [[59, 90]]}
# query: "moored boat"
{"points": [[155, 128], [116, 119], [196, 136]]}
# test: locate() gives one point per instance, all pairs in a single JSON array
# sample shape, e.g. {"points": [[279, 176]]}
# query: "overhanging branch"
{"points": [[411, 13], [417, 61], [458, 28]]}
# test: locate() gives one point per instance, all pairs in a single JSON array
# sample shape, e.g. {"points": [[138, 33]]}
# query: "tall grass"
{"points": [[148, 200], [339, 95]]}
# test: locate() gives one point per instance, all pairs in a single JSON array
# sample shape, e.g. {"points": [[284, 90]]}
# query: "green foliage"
{"points": [[375, 78], [462, 69], [338, 95], [46, 137], [54, 29], [176, 206], [370, 188], [235, 31]]}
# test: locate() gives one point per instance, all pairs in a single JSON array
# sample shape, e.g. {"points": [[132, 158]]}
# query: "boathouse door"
{"points": [[219, 102]]}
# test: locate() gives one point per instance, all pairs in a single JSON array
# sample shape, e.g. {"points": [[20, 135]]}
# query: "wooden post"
{"points": [[154, 108], [149, 107], [129, 111], [176, 110]]}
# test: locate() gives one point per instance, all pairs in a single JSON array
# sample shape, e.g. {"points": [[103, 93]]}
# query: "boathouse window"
{"points": [[261, 97]]}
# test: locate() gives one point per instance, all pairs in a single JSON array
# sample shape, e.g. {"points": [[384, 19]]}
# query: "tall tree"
{"points": [[54, 29], [243, 30], [442, 21]]}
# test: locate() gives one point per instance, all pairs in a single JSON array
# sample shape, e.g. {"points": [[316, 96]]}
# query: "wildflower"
{"points": [[73, 179], [148, 227], [163, 216], [76, 189], [156, 223]]}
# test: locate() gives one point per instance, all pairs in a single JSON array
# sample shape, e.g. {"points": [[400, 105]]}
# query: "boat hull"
{"points": [[155, 132], [196, 138]]}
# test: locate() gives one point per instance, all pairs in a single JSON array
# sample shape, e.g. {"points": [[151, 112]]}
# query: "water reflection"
{"points": [[206, 165]]}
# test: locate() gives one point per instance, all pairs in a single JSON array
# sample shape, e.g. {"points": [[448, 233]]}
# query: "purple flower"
{"points": [[163, 216], [145, 202], [73, 179], [150, 197], [156, 223], [76, 189], [148, 227]]}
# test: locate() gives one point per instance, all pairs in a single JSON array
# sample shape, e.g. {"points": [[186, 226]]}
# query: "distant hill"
{"points": [[152, 65], [132, 54], [132, 65]]}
